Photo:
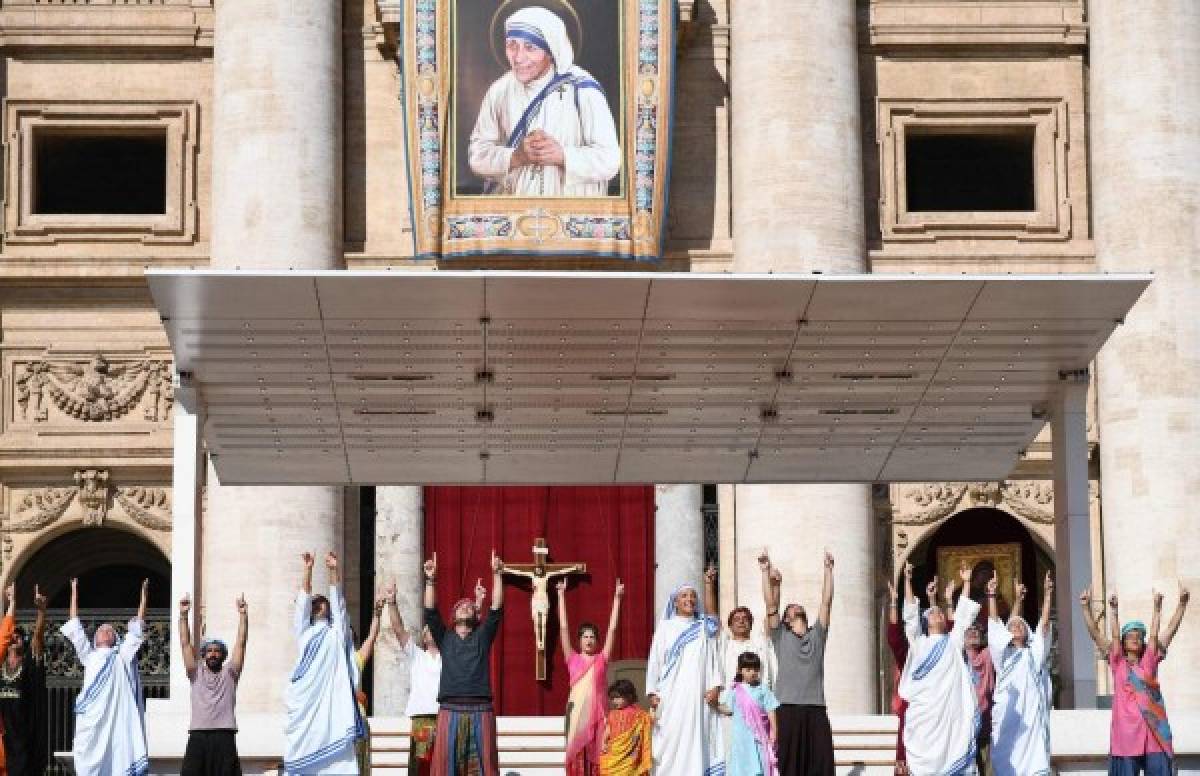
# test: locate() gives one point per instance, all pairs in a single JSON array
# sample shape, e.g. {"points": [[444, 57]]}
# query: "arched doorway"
{"points": [[110, 565]]}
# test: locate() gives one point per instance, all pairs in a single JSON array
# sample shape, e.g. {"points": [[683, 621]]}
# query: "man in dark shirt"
{"points": [[465, 741], [23, 697]]}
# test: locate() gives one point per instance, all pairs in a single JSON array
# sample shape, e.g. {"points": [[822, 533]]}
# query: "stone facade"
{"points": [[808, 173]]}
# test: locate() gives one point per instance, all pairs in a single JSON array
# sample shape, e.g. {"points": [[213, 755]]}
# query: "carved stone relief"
{"points": [[40, 507], [93, 391]]}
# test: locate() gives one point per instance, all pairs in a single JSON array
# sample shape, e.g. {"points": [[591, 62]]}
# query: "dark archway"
{"points": [[979, 526], [110, 564]]}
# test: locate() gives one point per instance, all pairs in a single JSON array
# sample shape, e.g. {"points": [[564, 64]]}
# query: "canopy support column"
{"points": [[1072, 540], [187, 483]]}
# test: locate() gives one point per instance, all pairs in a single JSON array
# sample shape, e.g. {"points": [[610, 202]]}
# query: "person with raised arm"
{"points": [[588, 672], [739, 637], [110, 728], [1140, 739], [23, 692], [362, 656], [323, 718], [1021, 701], [212, 734], [683, 680], [898, 644], [805, 735], [942, 720], [465, 739]]}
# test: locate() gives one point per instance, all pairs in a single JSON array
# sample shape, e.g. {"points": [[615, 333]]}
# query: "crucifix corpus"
{"points": [[540, 573]]}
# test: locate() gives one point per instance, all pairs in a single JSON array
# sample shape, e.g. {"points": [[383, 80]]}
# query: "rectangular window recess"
{"points": [[77, 171], [980, 169]]}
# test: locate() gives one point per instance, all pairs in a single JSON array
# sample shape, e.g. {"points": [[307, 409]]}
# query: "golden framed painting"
{"points": [[983, 559], [538, 127]]}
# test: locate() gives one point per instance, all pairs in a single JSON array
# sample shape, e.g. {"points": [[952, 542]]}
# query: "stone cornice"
{"points": [[984, 22], [107, 27]]}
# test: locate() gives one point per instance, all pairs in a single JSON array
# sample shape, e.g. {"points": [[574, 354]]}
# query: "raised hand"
{"points": [[764, 560], [308, 560], [389, 593], [710, 574], [145, 588], [993, 584], [185, 604], [1157, 598], [892, 596], [908, 570], [240, 603], [497, 564], [561, 585], [964, 574], [10, 593], [620, 589], [331, 560], [1184, 595], [1112, 601], [1085, 598], [39, 599], [430, 567], [828, 559], [1048, 585], [480, 590], [776, 577], [931, 589], [1019, 590]]}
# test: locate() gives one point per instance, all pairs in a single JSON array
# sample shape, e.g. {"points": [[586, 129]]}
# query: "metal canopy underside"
{"points": [[537, 377]]}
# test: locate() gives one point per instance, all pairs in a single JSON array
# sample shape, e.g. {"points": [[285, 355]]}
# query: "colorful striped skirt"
{"points": [[465, 741]]}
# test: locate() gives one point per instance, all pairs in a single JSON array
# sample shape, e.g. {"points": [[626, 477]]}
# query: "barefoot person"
{"points": [[110, 731], [588, 672], [683, 677], [1140, 737], [1021, 702], [323, 718], [942, 720], [212, 733], [465, 741], [805, 735], [23, 693]]}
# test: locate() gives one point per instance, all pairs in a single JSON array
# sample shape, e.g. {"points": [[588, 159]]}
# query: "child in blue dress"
{"points": [[752, 707]]}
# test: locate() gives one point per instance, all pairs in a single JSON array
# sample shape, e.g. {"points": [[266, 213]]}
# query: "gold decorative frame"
{"points": [[1005, 557]]}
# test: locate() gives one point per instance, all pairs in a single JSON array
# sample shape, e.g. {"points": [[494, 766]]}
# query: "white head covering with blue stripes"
{"points": [[545, 30]]}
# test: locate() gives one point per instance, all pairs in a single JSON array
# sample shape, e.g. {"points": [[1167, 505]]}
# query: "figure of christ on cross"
{"points": [[540, 573]]}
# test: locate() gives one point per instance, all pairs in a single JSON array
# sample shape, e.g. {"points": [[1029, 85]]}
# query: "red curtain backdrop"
{"points": [[611, 529]]}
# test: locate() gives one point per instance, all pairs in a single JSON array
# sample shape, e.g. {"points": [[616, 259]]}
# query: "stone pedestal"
{"points": [[398, 557], [1145, 129], [678, 541], [798, 207]]}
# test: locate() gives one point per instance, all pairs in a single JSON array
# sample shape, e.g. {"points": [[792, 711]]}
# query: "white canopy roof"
{"points": [[572, 377]]}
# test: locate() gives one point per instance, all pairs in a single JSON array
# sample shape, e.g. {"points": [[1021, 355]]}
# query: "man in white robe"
{"points": [[323, 719], [683, 680], [1021, 705], [943, 717], [110, 729], [544, 128]]}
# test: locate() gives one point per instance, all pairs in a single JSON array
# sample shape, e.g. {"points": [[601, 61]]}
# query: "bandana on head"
{"points": [[1134, 625], [204, 645], [545, 30]]}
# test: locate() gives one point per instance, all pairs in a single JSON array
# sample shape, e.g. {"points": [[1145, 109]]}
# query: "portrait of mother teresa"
{"points": [[544, 128]]}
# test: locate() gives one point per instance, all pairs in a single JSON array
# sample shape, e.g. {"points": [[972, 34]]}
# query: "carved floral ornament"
{"points": [[95, 390], [927, 503], [147, 506]]}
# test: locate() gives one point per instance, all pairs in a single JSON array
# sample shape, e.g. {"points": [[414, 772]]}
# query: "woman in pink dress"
{"points": [[588, 670]]}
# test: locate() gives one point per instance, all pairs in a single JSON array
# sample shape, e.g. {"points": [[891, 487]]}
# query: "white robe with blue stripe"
{"points": [[942, 720], [1021, 702], [685, 662], [110, 729], [323, 720]]}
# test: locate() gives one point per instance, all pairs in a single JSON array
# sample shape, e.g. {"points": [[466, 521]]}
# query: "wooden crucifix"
{"points": [[540, 573]]}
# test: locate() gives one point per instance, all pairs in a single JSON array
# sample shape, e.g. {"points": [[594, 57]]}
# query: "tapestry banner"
{"points": [[538, 127]]}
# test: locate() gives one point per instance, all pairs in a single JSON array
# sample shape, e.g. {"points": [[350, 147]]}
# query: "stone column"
{"points": [[678, 540], [277, 204], [1145, 129], [798, 207], [399, 549]]}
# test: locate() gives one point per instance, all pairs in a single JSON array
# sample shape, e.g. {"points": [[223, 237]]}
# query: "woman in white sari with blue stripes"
{"points": [[943, 716], [683, 679], [323, 719], [110, 729], [1021, 705]]}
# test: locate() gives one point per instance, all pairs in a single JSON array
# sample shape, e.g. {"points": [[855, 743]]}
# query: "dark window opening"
{"points": [[92, 174], [961, 171]]}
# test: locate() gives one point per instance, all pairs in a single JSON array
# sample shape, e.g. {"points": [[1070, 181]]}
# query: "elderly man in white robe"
{"points": [[683, 683], [110, 728], [1021, 699], [323, 718], [544, 128], [942, 720]]}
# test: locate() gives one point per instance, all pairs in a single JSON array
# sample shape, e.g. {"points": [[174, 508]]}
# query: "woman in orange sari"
{"points": [[8, 626], [588, 671], [627, 750]]}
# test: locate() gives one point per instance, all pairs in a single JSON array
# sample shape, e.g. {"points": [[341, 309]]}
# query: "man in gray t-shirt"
{"points": [[805, 736], [212, 734]]}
